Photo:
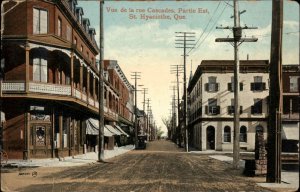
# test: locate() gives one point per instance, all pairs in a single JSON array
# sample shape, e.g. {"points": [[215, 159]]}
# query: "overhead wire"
{"points": [[207, 25], [210, 29]]}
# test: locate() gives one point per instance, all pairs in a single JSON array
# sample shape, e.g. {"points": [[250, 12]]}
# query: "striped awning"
{"points": [[121, 130], [113, 130]]}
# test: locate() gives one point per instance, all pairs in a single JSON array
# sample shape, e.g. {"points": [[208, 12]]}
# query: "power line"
{"points": [[212, 27], [207, 24]]}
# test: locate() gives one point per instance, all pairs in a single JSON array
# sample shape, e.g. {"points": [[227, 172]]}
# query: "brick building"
{"points": [[50, 85], [291, 108]]}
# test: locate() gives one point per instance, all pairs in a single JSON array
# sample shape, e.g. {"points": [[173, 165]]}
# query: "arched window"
{"points": [[227, 134], [243, 134]]}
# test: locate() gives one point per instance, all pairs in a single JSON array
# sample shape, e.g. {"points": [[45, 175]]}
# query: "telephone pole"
{"points": [[101, 89], [148, 128], [237, 40], [144, 103], [185, 37], [177, 69], [135, 75], [275, 96]]}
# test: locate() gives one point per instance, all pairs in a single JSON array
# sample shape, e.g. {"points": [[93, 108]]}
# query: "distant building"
{"points": [[211, 102]]}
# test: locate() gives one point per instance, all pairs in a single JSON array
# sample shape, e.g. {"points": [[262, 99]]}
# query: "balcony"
{"points": [[47, 88]]}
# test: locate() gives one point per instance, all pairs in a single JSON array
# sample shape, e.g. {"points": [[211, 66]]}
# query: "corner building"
{"points": [[50, 84], [212, 104]]}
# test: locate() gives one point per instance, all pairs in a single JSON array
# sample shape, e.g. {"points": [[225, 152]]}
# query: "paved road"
{"points": [[162, 167]]}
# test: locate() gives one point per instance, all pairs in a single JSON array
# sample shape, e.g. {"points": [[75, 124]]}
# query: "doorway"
{"points": [[210, 138]]}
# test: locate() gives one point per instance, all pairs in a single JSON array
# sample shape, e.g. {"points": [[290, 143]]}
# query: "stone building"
{"points": [[212, 105]]}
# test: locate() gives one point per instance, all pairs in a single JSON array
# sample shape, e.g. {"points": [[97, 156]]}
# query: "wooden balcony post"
{"points": [[94, 87], [88, 85], [72, 73], [27, 51], [81, 79]]}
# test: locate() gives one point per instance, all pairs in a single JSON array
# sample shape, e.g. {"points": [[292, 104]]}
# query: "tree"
{"points": [[159, 133], [167, 122]]}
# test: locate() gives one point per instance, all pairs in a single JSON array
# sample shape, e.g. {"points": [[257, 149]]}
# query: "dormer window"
{"points": [[72, 4], [92, 33], [86, 24], [79, 13]]}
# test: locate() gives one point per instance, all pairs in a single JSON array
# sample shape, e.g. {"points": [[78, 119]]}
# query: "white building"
{"points": [[212, 105]]}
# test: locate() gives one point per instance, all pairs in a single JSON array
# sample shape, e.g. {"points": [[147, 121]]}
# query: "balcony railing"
{"points": [[91, 101], [50, 88], [53, 89], [13, 86], [77, 94]]}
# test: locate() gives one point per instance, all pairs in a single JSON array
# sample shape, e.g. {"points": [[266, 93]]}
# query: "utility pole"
{"points": [[135, 75], [237, 40], [144, 103], [275, 96], [185, 37], [178, 69], [148, 128], [101, 89]]}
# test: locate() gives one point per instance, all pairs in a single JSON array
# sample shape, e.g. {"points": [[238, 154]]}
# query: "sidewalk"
{"points": [[289, 179], [77, 160]]}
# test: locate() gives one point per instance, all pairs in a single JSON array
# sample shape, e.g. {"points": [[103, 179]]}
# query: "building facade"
{"points": [[49, 90], [212, 106], [291, 108]]}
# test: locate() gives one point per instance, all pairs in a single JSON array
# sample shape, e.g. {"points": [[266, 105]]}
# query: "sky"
{"points": [[148, 46]]}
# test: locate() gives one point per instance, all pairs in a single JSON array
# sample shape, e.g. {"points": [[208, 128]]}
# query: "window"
{"points": [[294, 86], [81, 48], [231, 85], [212, 85], [212, 108], [230, 109], [40, 21], [68, 35], [257, 107], [243, 134], [75, 41], [227, 134], [65, 128], [59, 27], [258, 85], [40, 70]]}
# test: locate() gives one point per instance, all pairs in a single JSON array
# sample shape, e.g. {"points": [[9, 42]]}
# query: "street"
{"points": [[161, 167]]}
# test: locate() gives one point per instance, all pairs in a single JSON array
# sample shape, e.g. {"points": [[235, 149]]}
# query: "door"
{"points": [[210, 138], [40, 140]]}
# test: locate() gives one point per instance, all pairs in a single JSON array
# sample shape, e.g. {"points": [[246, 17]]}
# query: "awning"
{"points": [[107, 133], [121, 130], [290, 131], [92, 128], [113, 130]]}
